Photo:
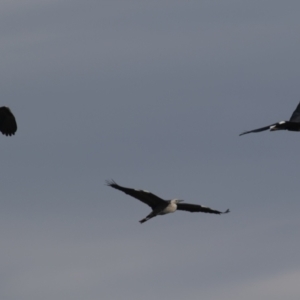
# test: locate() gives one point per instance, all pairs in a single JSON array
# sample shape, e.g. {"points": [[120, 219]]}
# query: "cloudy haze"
{"points": [[153, 95]]}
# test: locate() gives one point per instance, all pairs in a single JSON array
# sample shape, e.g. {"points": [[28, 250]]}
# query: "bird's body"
{"points": [[162, 209], [285, 125], [8, 124], [292, 125], [172, 207], [160, 206]]}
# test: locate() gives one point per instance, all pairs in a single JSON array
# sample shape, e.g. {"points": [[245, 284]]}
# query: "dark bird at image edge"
{"points": [[8, 124], [292, 125]]}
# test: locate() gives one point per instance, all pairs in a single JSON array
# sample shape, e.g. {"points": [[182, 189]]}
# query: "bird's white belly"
{"points": [[169, 209]]}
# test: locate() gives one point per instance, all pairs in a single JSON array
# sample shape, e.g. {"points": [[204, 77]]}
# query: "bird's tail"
{"points": [[226, 212], [144, 220], [150, 216]]}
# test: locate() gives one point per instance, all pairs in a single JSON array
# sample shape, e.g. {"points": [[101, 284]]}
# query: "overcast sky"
{"points": [[152, 94]]}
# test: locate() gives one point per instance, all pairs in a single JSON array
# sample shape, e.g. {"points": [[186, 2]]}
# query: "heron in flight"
{"points": [[160, 206], [292, 125], [8, 124]]}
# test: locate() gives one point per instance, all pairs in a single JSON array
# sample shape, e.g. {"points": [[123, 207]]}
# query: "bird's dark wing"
{"points": [[199, 208], [296, 115], [8, 124], [259, 129], [144, 196]]}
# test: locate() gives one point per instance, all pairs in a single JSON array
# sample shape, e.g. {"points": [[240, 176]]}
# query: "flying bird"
{"points": [[160, 206], [8, 124], [292, 125]]}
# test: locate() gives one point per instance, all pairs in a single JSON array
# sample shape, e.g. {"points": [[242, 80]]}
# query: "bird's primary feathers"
{"points": [[8, 124], [292, 125], [160, 206]]}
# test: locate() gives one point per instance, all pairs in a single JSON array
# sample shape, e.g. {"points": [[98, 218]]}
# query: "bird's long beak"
{"points": [[180, 201]]}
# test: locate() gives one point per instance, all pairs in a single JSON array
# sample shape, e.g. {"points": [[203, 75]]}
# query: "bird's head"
{"points": [[175, 201], [280, 125], [273, 128]]}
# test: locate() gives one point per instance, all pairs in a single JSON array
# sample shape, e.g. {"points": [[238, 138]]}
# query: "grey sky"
{"points": [[153, 95]]}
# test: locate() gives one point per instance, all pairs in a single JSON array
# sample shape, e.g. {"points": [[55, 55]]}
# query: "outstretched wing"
{"points": [[259, 129], [296, 114], [199, 208], [144, 196], [8, 124]]}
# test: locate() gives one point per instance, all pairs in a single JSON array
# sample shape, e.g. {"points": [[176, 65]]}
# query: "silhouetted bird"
{"points": [[160, 206], [292, 125], [8, 124]]}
